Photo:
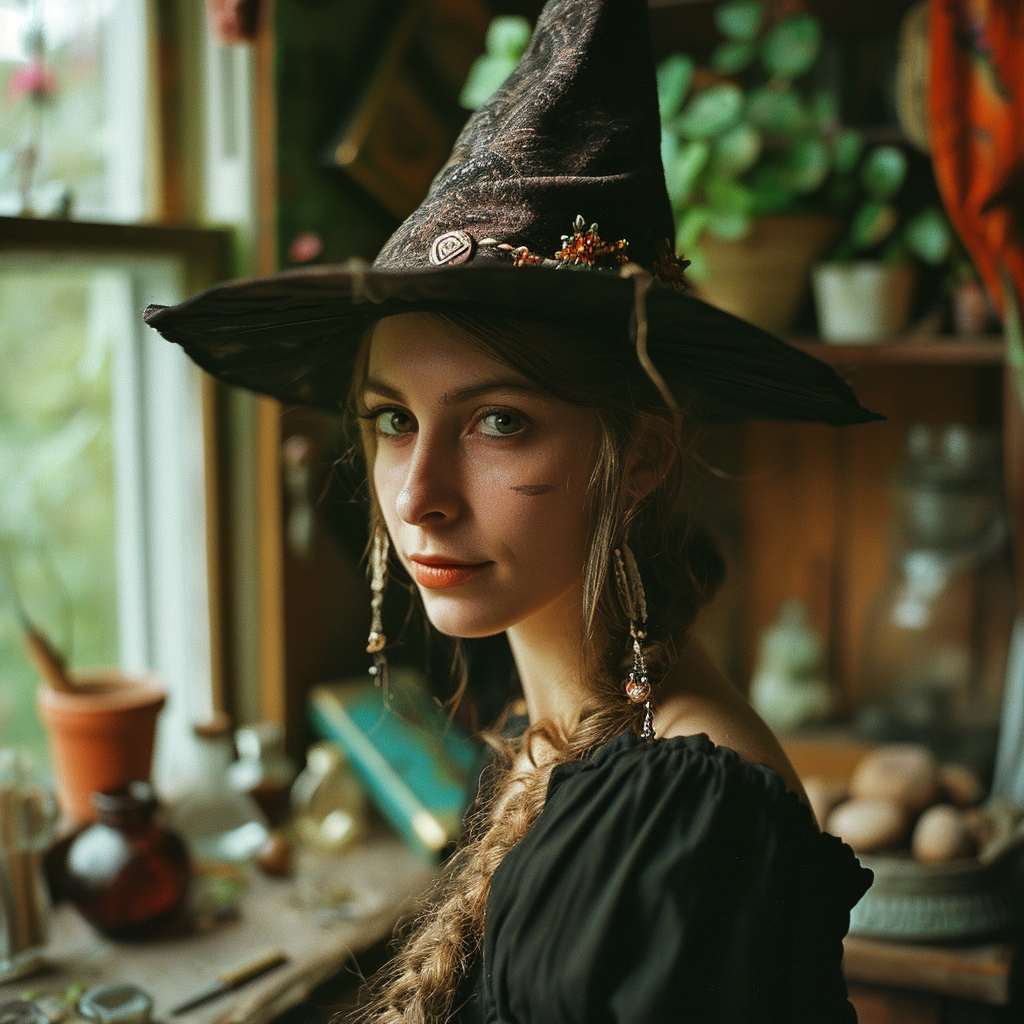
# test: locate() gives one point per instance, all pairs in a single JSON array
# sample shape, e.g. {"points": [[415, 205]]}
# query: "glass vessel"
{"points": [[127, 874], [937, 636], [28, 813], [263, 770], [328, 804], [218, 822]]}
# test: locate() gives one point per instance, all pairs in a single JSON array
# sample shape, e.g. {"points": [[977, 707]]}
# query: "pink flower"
{"points": [[33, 81]]}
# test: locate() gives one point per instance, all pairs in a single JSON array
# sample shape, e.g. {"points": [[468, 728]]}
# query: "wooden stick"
{"points": [[48, 663]]}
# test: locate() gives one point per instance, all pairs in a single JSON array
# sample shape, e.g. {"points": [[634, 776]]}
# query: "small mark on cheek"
{"points": [[533, 489]]}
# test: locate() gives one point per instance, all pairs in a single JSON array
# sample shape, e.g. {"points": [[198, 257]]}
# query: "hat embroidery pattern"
{"points": [[583, 249]]}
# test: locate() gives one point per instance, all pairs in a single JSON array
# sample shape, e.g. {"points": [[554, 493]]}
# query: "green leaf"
{"points": [[883, 172], [689, 228], [737, 150], [807, 164], [929, 236], [872, 224], [675, 75], [825, 110], [846, 150], [792, 46], [841, 193], [486, 76], [770, 191], [740, 20], [711, 111], [775, 112], [729, 225], [508, 36], [725, 196], [683, 168], [729, 58]]}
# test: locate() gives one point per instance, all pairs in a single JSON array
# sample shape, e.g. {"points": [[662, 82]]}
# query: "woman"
{"points": [[642, 854]]}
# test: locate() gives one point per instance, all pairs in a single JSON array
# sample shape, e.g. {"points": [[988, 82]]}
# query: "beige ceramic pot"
{"points": [[765, 277], [101, 737]]}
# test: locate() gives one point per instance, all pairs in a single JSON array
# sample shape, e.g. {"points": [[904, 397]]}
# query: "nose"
{"points": [[429, 495]]}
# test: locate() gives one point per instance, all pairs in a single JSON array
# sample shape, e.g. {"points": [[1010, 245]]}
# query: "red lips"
{"points": [[438, 575]]}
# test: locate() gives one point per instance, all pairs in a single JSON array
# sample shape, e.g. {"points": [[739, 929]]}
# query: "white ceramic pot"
{"points": [[862, 302]]}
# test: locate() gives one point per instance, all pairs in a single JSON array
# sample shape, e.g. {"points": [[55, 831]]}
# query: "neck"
{"points": [[548, 651]]}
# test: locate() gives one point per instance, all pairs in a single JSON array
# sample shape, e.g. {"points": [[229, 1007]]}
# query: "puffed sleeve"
{"points": [[670, 881]]}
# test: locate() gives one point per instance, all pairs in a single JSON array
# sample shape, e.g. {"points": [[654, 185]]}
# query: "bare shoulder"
{"points": [[698, 698]]}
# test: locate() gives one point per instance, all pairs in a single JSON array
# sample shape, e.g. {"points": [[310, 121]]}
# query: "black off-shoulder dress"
{"points": [[667, 882]]}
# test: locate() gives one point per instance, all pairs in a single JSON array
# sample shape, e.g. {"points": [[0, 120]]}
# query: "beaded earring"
{"points": [[376, 641], [634, 603]]}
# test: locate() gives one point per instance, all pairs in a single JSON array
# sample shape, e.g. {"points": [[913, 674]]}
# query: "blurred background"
{"points": [[152, 519]]}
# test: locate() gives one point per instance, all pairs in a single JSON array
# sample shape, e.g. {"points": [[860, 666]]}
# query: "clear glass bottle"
{"points": [[218, 822], [328, 803], [937, 635], [263, 770]]}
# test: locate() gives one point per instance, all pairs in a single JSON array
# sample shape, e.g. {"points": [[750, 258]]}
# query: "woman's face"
{"points": [[481, 476]]}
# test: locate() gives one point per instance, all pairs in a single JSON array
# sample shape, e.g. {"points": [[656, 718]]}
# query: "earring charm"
{"points": [[377, 641], [634, 602]]}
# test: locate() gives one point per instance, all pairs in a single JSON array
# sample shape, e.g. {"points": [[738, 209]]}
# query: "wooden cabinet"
{"points": [[812, 503]]}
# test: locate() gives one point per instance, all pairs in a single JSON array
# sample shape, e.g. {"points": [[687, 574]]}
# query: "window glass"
{"points": [[57, 497], [73, 128]]}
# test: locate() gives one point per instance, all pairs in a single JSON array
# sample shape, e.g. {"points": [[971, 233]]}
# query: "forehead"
{"points": [[413, 346]]}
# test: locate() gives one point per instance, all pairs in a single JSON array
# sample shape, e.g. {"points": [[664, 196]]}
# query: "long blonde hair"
{"points": [[680, 569]]}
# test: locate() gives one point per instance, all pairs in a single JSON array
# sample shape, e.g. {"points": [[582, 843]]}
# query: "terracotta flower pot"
{"points": [[101, 738], [765, 277]]}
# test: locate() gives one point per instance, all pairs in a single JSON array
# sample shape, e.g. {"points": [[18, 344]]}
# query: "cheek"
{"points": [[548, 529], [388, 480]]}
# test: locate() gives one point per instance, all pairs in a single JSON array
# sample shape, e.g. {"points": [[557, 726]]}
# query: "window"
{"points": [[104, 506]]}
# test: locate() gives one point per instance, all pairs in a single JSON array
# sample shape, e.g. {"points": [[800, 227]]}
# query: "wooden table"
{"points": [[375, 885]]}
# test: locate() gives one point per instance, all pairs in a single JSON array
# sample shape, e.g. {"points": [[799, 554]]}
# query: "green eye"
{"points": [[500, 424], [392, 423]]}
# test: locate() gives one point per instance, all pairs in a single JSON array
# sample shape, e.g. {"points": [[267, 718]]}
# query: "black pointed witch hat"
{"points": [[573, 133]]}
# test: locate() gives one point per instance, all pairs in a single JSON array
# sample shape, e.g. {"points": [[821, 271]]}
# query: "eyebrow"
{"points": [[510, 385]]}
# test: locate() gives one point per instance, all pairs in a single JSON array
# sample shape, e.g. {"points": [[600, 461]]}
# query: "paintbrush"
{"points": [[47, 661]]}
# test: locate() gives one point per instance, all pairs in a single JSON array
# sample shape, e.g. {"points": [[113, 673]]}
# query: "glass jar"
{"points": [[937, 635], [28, 813], [127, 874]]}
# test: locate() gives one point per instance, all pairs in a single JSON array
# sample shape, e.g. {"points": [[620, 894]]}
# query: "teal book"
{"points": [[415, 764]]}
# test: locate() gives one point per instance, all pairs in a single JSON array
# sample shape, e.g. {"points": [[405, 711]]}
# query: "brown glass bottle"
{"points": [[127, 874]]}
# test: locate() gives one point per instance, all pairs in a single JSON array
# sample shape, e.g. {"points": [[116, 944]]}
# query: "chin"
{"points": [[465, 620]]}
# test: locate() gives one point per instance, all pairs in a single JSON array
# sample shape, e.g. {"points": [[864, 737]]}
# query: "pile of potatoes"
{"points": [[900, 793]]}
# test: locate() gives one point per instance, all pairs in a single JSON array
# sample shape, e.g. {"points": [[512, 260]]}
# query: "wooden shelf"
{"points": [[912, 350], [980, 973]]}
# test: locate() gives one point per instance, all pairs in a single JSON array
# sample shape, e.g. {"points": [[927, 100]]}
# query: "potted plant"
{"points": [[748, 149], [864, 293]]}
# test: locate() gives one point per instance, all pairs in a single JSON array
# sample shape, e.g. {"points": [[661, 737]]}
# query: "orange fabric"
{"points": [[976, 104]]}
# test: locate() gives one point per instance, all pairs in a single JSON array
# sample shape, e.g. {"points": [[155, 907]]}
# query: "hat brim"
{"points": [[295, 336]]}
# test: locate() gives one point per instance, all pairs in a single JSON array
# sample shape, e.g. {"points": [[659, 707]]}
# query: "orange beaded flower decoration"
{"points": [[585, 246], [585, 249]]}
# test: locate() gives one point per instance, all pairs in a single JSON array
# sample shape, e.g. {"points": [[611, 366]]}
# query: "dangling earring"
{"points": [[634, 602], [376, 641]]}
